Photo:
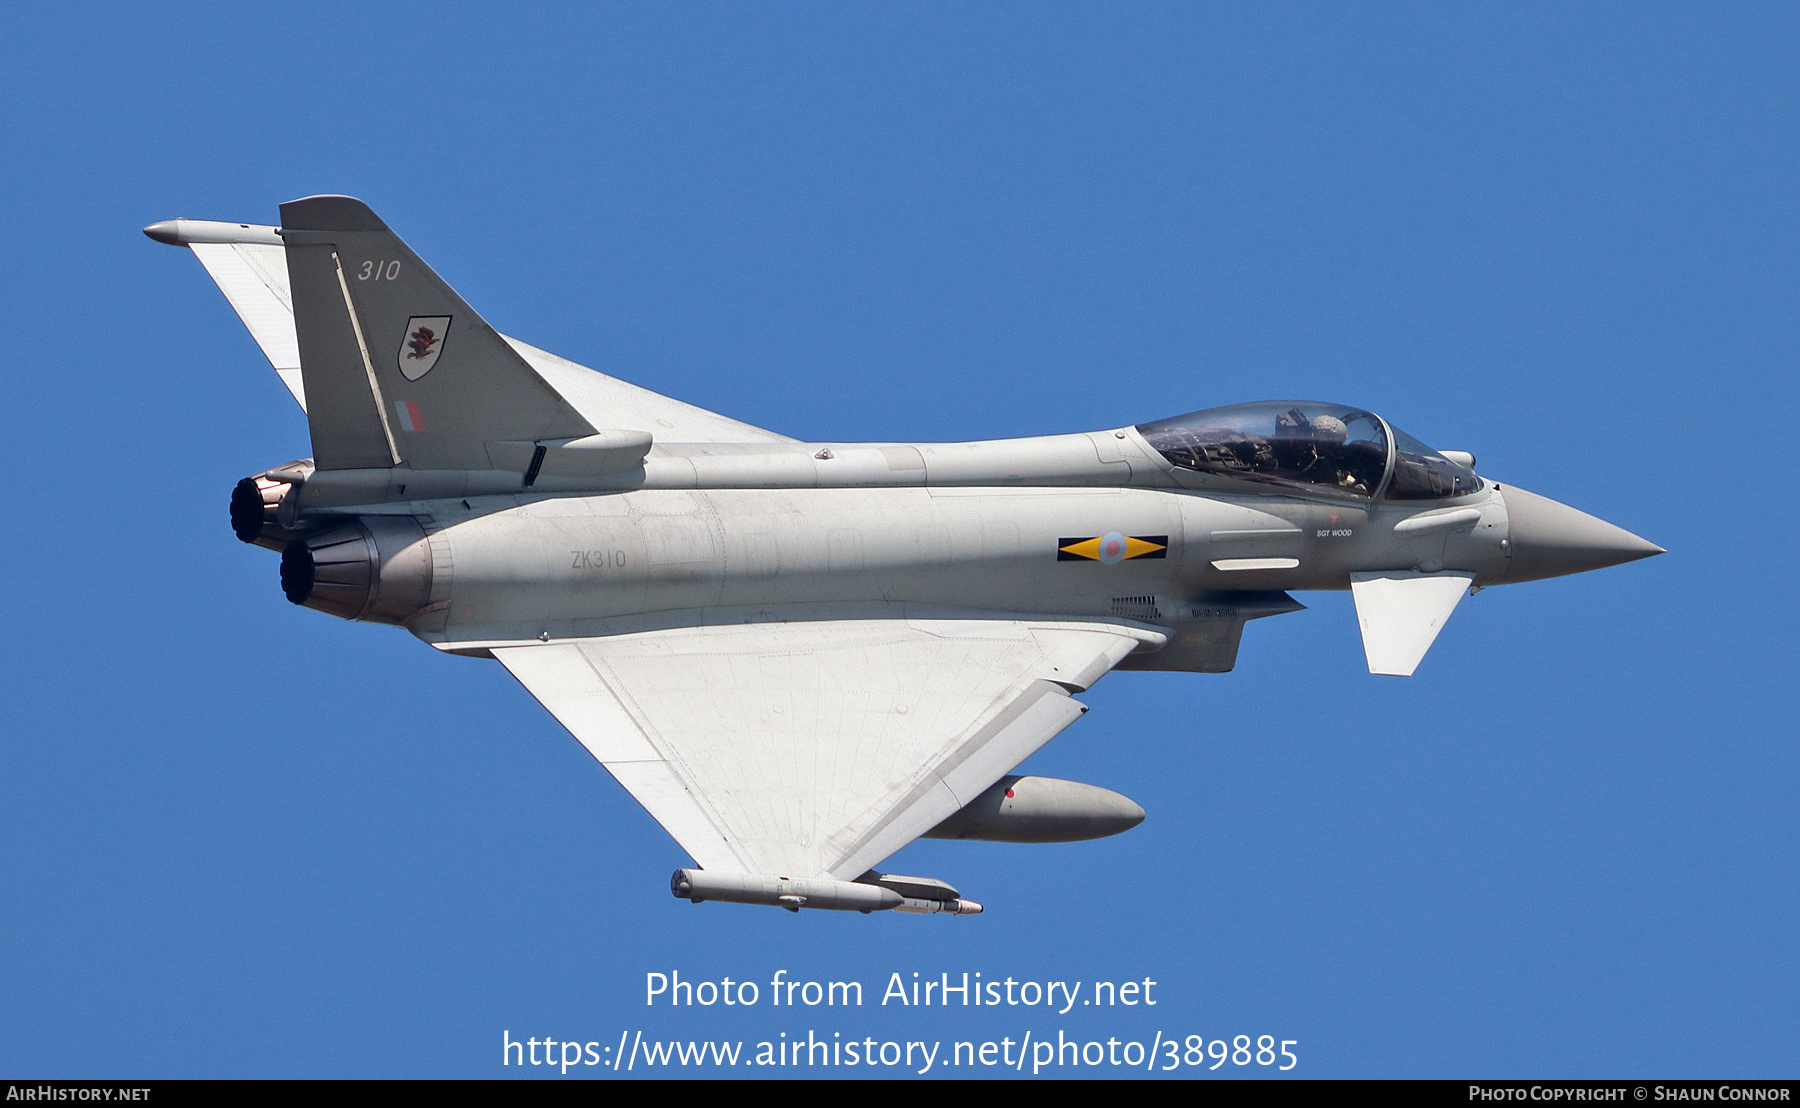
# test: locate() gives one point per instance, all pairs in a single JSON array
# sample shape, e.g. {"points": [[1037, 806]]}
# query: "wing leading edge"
{"points": [[817, 749]]}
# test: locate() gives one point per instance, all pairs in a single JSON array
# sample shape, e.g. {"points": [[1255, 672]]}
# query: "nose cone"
{"points": [[1549, 539]]}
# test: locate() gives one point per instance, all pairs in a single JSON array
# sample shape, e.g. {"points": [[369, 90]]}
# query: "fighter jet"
{"points": [[801, 656]]}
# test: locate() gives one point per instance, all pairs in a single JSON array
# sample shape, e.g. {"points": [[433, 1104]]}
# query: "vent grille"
{"points": [[1142, 608]]}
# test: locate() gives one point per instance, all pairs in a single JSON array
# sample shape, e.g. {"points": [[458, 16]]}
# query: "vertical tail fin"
{"points": [[399, 370]]}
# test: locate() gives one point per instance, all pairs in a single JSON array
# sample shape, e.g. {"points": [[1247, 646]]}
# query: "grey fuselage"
{"points": [[712, 533]]}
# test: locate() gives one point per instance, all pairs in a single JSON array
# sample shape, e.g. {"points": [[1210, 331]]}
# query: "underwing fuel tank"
{"points": [[1018, 809]]}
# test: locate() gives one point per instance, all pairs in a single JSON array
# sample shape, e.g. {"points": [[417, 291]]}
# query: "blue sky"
{"points": [[239, 838]]}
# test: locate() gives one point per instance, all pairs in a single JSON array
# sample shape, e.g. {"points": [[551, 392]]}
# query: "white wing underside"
{"points": [[253, 276], [817, 748], [254, 279]]}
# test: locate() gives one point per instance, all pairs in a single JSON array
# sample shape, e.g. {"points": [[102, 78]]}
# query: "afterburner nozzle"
{"points": [[376, 568], [1549, 539]]}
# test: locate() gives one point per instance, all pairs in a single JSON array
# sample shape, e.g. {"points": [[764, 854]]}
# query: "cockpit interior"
{"points": [[1322, 449]]}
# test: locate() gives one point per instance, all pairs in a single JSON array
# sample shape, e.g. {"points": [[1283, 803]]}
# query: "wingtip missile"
{"points": [[186, 232], [168, 231]]}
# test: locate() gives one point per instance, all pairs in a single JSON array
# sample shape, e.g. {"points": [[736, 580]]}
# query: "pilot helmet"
{"points": [[1330, 427]]}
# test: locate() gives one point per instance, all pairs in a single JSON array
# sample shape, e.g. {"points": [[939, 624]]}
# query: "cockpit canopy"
{"points": [[1323, 449]]}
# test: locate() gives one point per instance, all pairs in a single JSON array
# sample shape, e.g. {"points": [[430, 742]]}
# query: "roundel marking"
{"points": [[1112, 548]]}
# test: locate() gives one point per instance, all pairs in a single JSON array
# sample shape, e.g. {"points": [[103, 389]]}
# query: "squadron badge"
{"points": [[423, 343]]}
